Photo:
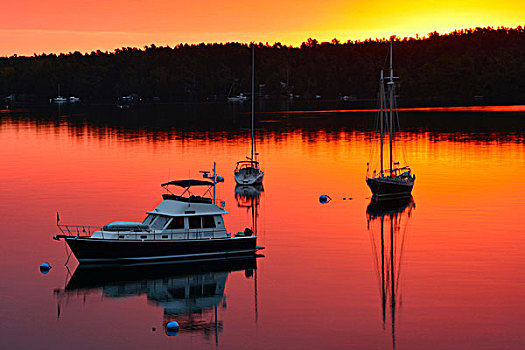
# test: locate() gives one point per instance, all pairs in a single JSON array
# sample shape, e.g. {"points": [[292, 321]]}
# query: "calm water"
{"points": [[443, 272]]}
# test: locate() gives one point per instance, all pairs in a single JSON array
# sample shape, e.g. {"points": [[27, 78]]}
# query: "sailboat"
{"points": [[59, 99], [248, 172], [396, 181]]}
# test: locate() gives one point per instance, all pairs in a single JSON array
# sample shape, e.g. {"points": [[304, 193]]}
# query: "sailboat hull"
{"points": [[249, 176], [386, 188]]}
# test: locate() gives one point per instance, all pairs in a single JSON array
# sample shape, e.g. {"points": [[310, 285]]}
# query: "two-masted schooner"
{"points": [[396, 181]]}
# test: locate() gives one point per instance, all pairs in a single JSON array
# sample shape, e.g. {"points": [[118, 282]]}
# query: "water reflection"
{"points": [[387, 224], [155, 123], [249, 197], [190, 293]]}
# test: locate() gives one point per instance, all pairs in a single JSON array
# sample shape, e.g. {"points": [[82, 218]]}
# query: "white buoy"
{"points": [[172, 328]]}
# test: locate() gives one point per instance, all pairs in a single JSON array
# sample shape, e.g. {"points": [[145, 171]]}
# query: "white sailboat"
{"points": [[59, 99], [248, 172]]}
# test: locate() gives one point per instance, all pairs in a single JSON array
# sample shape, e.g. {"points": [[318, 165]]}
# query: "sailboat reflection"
{"points": [[249, 197], [189, 293], [387, 224]]}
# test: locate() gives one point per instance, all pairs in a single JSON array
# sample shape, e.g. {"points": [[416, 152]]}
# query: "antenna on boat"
{"points": [[214, 177]]}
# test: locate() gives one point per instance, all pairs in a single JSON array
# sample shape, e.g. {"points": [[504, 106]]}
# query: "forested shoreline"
{"points": [[482, 64]]}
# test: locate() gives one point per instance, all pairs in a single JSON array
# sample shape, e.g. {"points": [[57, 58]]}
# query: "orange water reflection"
{"points": [[506, 108], [462, 274]]}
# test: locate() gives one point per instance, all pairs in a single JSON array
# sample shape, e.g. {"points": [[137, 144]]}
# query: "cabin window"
{"points": [[208, 221], [194, 221], [149, 219], [177, 293], [143, 237], [176, 223], [206, 290], [160, 222]]}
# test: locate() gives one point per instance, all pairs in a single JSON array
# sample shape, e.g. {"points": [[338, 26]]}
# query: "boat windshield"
{"points": [[149, 219], [160, 222], [155, 221], [247, 164]]}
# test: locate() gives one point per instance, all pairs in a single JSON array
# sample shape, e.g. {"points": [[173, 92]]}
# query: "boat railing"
{"points": [[163, 235], [77, 230], [387, 172]]}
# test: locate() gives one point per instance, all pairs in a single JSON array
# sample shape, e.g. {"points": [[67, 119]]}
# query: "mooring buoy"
{"points": [[172, 328], [45, 267]]}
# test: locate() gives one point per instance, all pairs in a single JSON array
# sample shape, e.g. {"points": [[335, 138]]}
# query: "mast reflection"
{"points": [[249, 197], [387, 224], [190, 293]]}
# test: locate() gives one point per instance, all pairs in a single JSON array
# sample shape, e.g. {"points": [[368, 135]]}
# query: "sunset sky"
{"points": [[31, 26]]}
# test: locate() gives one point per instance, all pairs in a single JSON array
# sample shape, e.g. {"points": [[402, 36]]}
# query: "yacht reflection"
{"points": [[387, 224], [249, 197], [190, 293]]}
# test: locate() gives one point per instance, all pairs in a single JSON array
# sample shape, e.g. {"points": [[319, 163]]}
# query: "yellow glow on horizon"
{"points": [[36, 27]]}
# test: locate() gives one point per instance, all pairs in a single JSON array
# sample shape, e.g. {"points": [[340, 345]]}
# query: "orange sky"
{"points": [[30, 26]]}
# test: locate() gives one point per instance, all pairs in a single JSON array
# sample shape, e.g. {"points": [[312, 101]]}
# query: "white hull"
{"points": [[60, 99], [244, 178]]}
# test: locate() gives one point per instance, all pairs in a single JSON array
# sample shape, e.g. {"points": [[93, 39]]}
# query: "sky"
{"points": [[54, 26]]}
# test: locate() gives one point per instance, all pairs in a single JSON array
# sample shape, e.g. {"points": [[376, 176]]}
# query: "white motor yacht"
{"points": [[181, 227]]}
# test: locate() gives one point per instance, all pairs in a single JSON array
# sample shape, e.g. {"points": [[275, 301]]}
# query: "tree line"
{"points": [[481, 63]]}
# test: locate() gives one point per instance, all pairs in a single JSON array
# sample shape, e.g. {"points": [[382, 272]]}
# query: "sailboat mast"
{"points": [[253, 97], [214, 181], [381, 116], [391, 114]]}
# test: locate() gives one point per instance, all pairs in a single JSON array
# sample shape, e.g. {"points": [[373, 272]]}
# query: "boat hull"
{"points": [[89, 250], [385, 188], [242, 178]]}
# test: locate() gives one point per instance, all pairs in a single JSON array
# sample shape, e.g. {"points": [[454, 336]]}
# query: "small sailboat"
{"points": [[248, 172], [59, 99], [397, 181], [239, 98], [236, 98]]}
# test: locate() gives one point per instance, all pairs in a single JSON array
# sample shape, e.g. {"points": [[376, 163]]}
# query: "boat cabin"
{"points": [[247, 165], [178, 216]]}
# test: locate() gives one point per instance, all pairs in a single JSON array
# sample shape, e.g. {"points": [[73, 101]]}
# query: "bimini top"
{"points": [[188, 183], [187, 195]]}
